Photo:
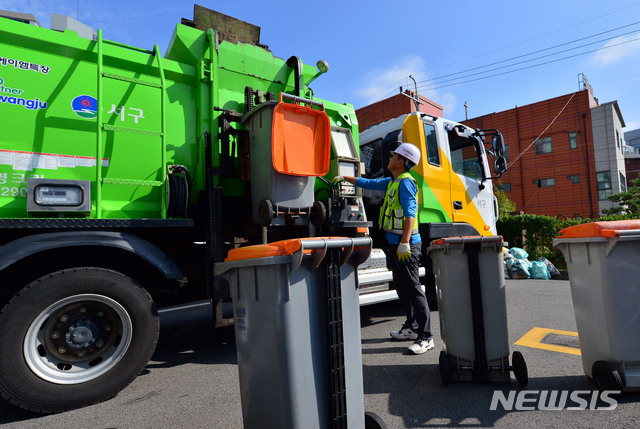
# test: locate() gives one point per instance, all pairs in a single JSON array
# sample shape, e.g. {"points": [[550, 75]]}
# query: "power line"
{"points": [[535, 65], [543, 131], [436, 85], [542, 50], [538, 37], [523, 55]]}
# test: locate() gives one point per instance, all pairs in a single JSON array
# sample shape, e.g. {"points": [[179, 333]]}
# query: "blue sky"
{"points": [[491, 54]]}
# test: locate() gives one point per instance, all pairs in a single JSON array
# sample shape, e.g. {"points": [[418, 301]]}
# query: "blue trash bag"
{"points": [[540, 271], [518, 268], [552, 268], [506, 254], [519, 253]]}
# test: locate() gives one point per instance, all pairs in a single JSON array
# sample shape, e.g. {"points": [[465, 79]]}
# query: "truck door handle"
{"points": [[457, 205]]}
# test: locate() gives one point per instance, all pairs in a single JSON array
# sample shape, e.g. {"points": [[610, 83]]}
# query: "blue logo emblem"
{"points": [[85, 106]]}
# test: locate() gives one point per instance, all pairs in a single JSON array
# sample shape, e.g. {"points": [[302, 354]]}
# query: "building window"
{"points": [[506, 152], [543, 145], [433, 154], [503, 186], [544, 183], [618, 138], [603, 180], [623, 183], [575, 178], [573, 140]]}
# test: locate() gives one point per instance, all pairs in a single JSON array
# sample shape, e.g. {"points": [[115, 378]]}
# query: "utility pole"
{"points": [[466, 111], [416, 100]]}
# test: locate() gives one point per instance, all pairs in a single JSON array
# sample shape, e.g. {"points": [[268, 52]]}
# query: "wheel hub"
{"points": [[77, 339], [79, 332], [82, 334]]}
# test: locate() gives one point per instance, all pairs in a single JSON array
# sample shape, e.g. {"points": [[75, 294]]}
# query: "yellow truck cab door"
{"points": [[432, 174]]}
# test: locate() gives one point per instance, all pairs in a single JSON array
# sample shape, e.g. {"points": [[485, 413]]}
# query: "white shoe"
{"points": [[421, 346], [403, 334]]}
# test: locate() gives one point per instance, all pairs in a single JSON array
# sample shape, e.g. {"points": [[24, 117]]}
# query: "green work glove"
{"points": [[404, 253], [336, 180]]}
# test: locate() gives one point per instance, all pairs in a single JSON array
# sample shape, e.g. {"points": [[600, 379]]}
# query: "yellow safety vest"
{"points": [[391, 217]]}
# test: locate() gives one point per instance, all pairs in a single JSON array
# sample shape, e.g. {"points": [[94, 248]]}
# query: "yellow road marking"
{"points": [[534, 338]]}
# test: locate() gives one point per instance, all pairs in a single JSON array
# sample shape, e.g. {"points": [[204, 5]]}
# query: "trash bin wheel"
{"points": [[265, 212], [445, 371], [606, 376], [520, 369], [318, 213], [373, 421]]}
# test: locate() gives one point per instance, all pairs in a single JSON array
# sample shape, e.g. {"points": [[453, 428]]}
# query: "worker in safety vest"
{"points": [[398, 219]]}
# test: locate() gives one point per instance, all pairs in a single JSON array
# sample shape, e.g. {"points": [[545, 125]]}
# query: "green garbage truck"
{"points": [[125, 175]]}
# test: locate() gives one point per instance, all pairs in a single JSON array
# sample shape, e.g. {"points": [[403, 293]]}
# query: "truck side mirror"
{"points": [[500, 165], [498, 145]]}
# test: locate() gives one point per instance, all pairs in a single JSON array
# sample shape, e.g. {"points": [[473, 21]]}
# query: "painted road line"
{"points": [[535, 337]]}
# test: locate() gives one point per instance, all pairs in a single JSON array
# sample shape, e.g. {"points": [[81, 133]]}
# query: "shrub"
{"points": [[535, 233]]}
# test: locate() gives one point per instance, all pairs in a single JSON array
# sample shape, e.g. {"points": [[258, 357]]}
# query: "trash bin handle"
{"points": [[298, 100], [318, 256], [628, 232], [322, 244]]}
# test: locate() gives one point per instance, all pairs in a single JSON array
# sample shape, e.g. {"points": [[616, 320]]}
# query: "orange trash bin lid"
{"points": [[599, 229], [301, 140]]}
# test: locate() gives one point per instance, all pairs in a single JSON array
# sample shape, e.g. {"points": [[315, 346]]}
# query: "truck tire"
{"points": [[73, 338]]}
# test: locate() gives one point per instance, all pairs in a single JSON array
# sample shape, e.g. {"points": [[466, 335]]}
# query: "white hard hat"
{"points": [[409, 151]]}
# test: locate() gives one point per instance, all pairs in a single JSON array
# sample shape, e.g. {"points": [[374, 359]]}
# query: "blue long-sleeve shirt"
{"points": [[407, 191]]}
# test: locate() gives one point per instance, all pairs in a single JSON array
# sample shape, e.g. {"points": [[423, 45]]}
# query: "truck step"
{"points": [[111, 181], [109, 127], [132, 80]]}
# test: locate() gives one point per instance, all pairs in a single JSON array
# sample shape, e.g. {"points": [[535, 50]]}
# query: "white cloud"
{"points": [[382, 83], [449, 103], [618, 49]]}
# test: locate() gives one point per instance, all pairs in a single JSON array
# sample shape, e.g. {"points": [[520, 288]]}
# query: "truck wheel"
{"points": [[73, 338]]}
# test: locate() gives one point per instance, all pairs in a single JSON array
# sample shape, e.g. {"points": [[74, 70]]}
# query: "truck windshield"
{"points": [[371, 156]]}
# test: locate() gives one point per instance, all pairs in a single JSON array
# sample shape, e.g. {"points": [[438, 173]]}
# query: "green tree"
{"points": [[628, 202], [505, 205]]}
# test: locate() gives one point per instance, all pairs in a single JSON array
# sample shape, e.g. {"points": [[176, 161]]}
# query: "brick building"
{"points": [[565, 154], [632, 165], [632, 155]]}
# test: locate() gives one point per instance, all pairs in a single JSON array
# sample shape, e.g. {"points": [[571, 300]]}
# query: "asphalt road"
{"points": [[192, 380]]}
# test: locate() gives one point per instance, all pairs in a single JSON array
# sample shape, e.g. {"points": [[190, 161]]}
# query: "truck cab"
{"points": [[455, 192]]}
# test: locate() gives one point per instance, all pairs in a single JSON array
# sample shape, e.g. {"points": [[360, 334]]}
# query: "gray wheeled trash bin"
{"points": [[473, 312], [290, 145], [603, 260], [297, 327]]}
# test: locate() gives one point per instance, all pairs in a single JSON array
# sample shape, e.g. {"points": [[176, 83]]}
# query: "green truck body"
{"points": [[124, 176]]}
